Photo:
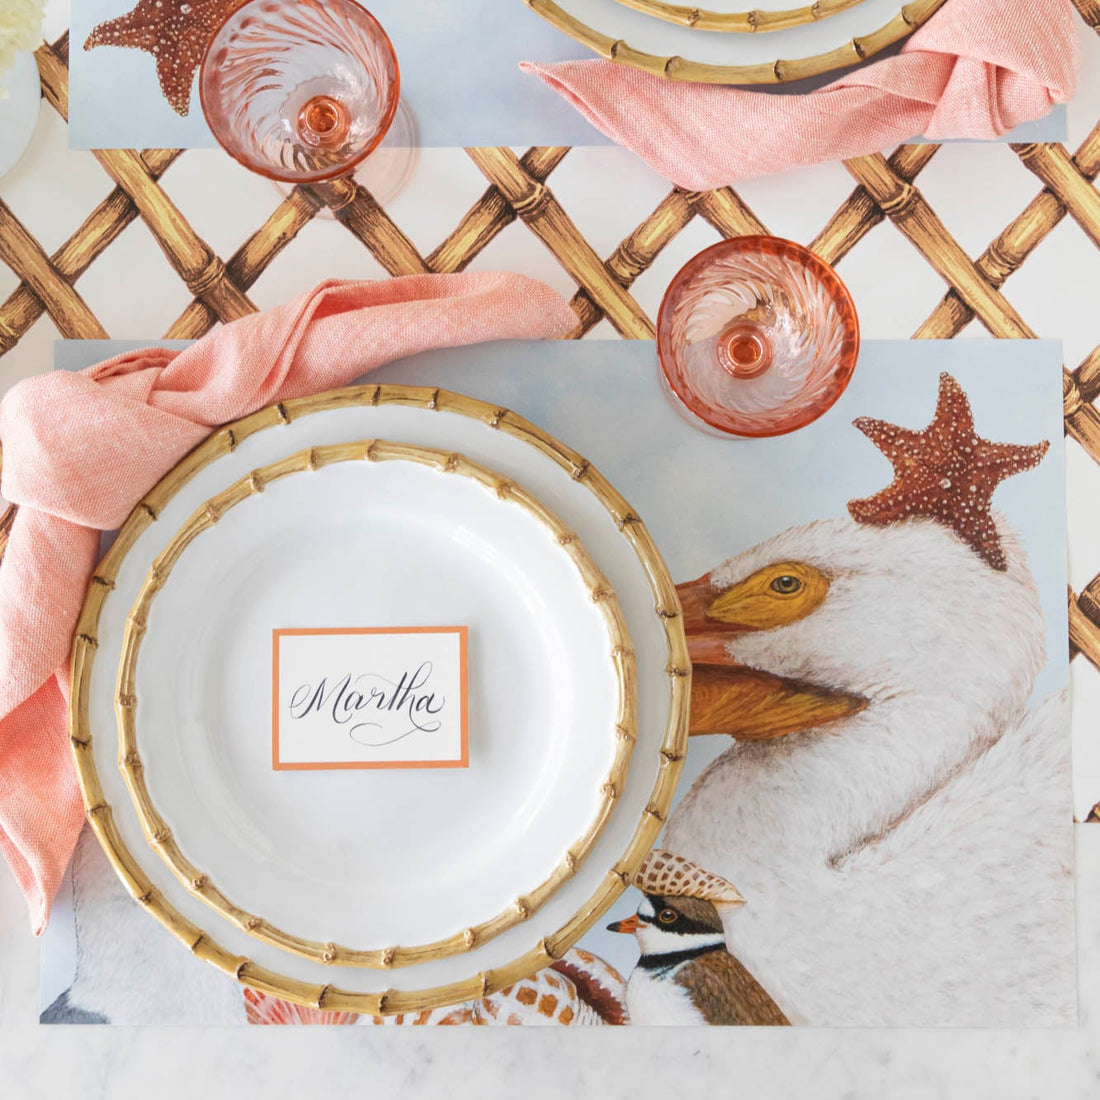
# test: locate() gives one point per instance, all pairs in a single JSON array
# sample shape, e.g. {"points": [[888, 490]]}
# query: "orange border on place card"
{"points": [[366, 765]]}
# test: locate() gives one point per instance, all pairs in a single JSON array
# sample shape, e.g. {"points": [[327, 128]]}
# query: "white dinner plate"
{"points": [[622, 550], [381, 861], [20, 104], [628, 36]]}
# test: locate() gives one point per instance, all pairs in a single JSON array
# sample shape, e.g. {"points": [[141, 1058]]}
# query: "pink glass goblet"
{"points": [[302, 91], [756, 337]]}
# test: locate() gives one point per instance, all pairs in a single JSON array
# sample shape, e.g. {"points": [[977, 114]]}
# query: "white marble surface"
{"points": [[53, 189]]}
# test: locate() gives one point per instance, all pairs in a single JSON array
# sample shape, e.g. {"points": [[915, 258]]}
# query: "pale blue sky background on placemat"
{"points": [[459, 63], [706, 499]]}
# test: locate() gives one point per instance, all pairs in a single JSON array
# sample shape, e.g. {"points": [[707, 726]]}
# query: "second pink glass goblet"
{"points": [[757, 336]]}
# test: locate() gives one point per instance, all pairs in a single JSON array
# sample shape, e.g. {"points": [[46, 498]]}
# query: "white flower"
{"points": [[20, 29]]}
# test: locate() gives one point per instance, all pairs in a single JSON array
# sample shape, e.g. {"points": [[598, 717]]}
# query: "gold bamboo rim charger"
{"points": [[617, 541], [740, 22], [673, 45], [620, 662]]}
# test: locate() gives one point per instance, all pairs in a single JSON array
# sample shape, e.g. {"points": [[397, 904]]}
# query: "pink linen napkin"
{"points": [[975, 70], [79, 450]]}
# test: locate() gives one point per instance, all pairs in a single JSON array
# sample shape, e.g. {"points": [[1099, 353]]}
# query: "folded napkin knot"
{"points": [[80, 450], [76, 448]]}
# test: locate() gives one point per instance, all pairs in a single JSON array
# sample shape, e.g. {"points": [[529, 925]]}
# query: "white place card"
{"points": [[374, 697]]}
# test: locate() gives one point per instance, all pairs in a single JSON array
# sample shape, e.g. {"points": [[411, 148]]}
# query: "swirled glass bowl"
{"points": [[300, 90], [757, 336]]}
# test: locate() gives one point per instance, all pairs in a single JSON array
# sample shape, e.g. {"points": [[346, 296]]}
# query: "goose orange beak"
{"points": [[706, 635], [746, 703], [628, 925]]}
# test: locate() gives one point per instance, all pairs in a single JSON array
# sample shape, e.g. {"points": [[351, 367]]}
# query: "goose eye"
{"points": [[786, 585], [668, 916]]}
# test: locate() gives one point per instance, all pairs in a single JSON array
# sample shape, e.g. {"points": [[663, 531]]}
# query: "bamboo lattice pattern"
{"points": [[517, 190]]}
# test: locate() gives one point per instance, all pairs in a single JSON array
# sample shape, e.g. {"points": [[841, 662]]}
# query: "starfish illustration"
{"points": [[175, 32], [946, 472]]}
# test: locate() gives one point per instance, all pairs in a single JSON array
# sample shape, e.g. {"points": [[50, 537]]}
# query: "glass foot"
{"points": [[386, 171]]}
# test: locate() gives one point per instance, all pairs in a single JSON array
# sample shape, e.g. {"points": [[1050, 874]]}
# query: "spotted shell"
{"points": [[668, 875], [580, 990]]}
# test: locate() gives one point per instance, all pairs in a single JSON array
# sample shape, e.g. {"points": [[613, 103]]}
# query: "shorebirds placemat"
{"points": [[897, 571], [459, 65]]}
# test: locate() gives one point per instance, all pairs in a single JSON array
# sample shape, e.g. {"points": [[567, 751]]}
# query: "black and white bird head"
{"points": [[679, 911], [670, 925]]}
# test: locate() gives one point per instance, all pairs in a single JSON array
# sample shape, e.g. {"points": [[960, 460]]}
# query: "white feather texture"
{"points": [[654, 999], [910, 865]]}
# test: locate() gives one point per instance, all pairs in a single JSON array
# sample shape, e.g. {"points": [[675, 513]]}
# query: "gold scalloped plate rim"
{"points": [[755, 21], [622, 731], [327, 997], [780, 71]]}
